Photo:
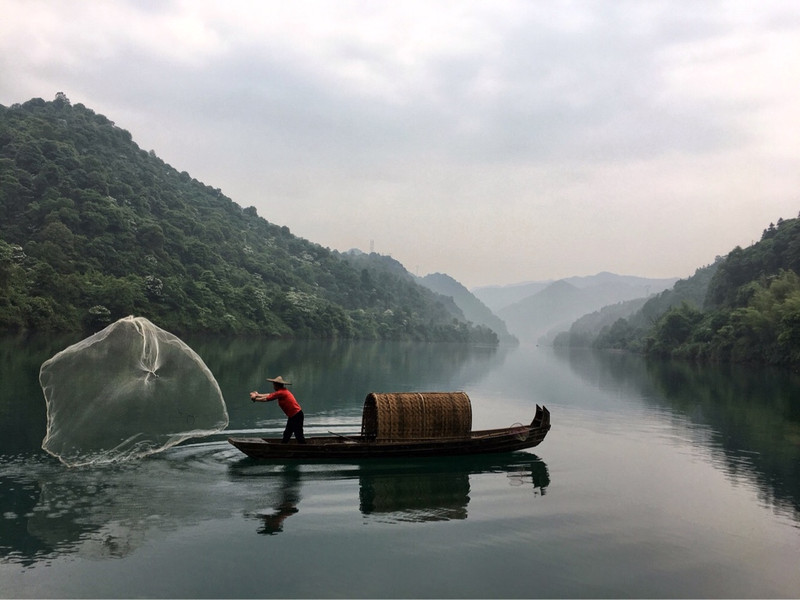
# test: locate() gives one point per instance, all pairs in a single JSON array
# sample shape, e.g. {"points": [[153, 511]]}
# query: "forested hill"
{"points": [[744, 308], [93, 228], [474, 310]]}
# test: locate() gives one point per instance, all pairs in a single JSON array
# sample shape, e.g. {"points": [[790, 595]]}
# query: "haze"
{"points": [[494, 141]]}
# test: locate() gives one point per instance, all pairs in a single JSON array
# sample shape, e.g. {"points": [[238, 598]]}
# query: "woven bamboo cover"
{"points": [[415, 497], [416, 415]]}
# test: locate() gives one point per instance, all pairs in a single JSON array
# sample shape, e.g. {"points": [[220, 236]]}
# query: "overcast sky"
{"points": [[496, 141]]}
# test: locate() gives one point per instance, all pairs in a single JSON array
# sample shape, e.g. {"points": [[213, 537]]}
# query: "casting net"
{"points": [[127, 391]]}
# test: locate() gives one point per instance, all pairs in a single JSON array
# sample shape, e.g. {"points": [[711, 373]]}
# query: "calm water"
{"points": [[657, 480]]}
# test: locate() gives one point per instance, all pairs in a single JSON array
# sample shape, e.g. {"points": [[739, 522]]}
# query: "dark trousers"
{"points": [[294, 425]]}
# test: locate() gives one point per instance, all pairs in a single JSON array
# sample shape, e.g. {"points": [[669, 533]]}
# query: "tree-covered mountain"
{"points": [[93, 228], [585, 330], [626, 325], [473, 309], [743, 308]]}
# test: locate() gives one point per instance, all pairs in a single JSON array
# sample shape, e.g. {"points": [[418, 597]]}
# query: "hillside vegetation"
{"points": [[474, 310], [541, 316], [93, 228], [626, 325], [743, 308]]}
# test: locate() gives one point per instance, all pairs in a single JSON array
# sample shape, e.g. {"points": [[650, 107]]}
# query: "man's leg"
{"points": [[298, 427]]}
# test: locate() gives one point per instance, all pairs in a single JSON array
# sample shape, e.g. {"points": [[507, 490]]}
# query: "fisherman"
{"points": [[287, 402]]}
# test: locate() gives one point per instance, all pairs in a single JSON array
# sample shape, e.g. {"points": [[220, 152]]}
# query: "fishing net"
{"points": [[127, 391]]}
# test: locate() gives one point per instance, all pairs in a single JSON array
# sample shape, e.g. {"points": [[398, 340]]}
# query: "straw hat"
{"points": [[279, 379]]}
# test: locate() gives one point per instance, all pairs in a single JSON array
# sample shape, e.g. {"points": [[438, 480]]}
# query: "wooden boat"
{"points": [[407, 425]]}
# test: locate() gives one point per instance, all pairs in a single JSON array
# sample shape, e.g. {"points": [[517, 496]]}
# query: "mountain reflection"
{"points": [[752, 413], [104, 512], [331, 376], [336, 375], [18, 499]]}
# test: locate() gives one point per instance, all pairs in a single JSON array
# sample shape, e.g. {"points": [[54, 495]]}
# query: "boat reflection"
{"points": [[439, 490], [415, 497], [110, 511], [415, 491]]}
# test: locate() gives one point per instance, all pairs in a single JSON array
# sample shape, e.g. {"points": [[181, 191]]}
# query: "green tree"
{"points": [[106, 228]]}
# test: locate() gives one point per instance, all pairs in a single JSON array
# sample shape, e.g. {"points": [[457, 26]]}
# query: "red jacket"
{"points": [[286, 401]]}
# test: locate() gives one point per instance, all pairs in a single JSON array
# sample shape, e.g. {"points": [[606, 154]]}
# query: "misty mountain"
{"points": [[558, 305], [744, 308], [646, 284], [93, 228], [585, 330], [473, 309], [612, 328], [498, 297]]}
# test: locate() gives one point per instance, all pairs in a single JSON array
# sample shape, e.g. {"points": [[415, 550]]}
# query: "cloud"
{"points": [[496, 141]]}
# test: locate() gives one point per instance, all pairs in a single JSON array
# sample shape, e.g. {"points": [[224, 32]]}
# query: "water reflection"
{"points": [[418, 491], [331, 377], [756, 419], [48, 510], [334, 368], [22, 408], [334, 377], [105, 512], [286, 505], [414, 496], [747, 417], [18, 498], [439, 490]]}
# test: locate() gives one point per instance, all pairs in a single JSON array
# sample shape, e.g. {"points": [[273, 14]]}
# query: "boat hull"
{"points": [[490, 441]]}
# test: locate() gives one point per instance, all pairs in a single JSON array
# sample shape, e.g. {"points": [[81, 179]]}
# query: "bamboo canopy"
{"points": [[416, 415]]}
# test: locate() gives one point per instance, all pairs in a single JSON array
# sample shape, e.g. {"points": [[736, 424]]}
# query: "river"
{"points": [[657, 480]]}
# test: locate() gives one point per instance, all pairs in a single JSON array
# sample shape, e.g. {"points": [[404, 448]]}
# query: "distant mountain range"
{"points": [[537, 311], [498, 297], [93, 228], [473, 309]]}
